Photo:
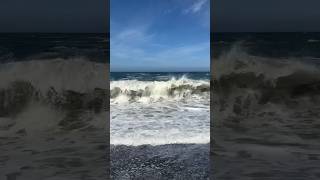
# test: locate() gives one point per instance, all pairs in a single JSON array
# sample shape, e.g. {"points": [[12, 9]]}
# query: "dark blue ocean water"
{"points": [[158, 76], [278, 45], [44, 46]]}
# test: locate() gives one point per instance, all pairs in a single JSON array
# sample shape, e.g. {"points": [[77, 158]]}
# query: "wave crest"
{"points": [[280, 77], [74, 91], [251, 86], [77, 74], [134, 90]]}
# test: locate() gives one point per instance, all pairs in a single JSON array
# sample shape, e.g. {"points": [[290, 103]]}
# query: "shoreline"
{"points": [[168, 161]]}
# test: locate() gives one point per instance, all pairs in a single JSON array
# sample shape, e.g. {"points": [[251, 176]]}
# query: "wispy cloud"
{"points": [[128, 46], [136, 34], [128, 42], [145, 43], [196, 6]]}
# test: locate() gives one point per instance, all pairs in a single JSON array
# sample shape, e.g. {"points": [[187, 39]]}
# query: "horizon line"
{"points": [[157, 71]]}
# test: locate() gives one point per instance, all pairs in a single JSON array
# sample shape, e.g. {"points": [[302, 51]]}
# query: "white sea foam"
{"points": [[161, 115], [150, 91]]}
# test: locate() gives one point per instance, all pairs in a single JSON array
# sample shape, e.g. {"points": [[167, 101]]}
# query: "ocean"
{"points": [[266, 106], [160, 125], [53, 106], [54, 102]]}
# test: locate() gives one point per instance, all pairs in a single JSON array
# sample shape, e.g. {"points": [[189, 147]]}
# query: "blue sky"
{"points": [[160, 35]]}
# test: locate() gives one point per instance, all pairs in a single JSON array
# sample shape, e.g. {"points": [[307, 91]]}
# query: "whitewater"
{"points": [[158, 112]]}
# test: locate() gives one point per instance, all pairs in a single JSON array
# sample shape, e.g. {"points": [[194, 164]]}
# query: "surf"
{"points": [[160, 110], [251, 87], [137, 90], [70, 93]]}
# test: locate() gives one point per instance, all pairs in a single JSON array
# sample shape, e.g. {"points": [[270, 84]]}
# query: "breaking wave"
{"points": [[250, 86], [71, 90], [77, 74], [174, 111], [151, 91]]}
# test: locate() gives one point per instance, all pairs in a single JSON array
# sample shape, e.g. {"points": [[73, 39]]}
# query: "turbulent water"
{"points": [[161, 122], [266, 106], [53, 106], [54, 102], [165, 110]]}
